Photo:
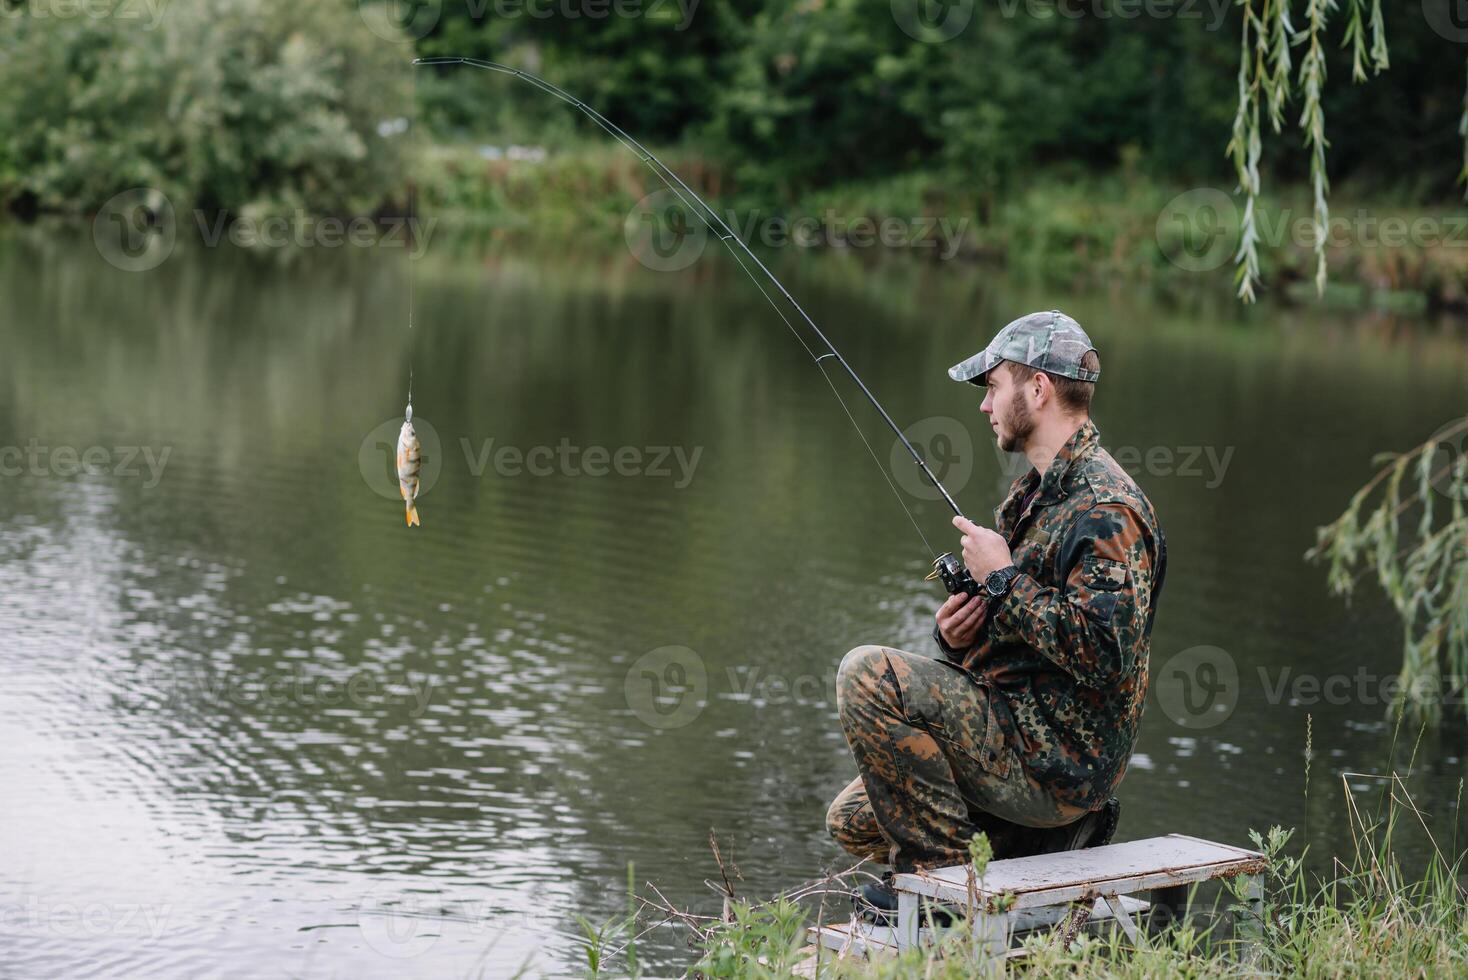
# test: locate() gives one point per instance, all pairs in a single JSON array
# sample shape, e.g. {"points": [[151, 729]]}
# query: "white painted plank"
{"points": [[907, 920], [860, 936], [1036, 897], [856, 937], [1113, 869]]}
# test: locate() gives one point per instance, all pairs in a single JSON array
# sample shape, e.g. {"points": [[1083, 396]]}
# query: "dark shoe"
{"points": [[876, 902]]}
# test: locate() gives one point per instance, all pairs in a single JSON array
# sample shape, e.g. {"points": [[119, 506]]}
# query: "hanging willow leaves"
{"points": [[1246, 143], [1463, 132], [1264, 76], [1312, 122], [1277, 17], [1265, 63], [1426, 577], [1356, 38]]}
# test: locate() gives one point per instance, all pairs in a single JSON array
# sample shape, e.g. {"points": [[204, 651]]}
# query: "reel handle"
{"points": [[954, 575]]}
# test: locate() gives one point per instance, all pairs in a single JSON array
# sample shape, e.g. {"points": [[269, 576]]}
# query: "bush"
{"points": [[272, 105]]}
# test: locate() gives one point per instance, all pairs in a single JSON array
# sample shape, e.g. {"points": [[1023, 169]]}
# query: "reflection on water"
{"points": [[249, 716]]}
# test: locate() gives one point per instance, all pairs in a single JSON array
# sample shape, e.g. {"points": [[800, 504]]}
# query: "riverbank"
{"points": [[1070, 225], [1371, 918]]}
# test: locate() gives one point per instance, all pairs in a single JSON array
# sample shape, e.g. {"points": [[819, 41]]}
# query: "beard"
{"points": [[1019, 424]]}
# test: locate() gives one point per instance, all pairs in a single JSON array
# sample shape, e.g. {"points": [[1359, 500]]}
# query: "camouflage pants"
{"points": [[935, 767]]}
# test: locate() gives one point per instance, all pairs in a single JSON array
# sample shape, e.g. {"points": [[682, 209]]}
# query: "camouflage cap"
{"points": [[1049, 341]]}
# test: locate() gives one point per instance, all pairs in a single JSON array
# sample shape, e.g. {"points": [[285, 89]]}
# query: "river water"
{"points": [[254, 726]]}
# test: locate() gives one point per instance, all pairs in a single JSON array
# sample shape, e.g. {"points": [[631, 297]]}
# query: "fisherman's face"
{"points": [[1006, 403]]}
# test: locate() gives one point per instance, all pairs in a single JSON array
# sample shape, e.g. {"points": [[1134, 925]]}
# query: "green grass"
{"points": [[1370, 918]]}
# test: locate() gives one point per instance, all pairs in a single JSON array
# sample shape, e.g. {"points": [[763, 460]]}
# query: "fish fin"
{"points": [[413, 516], [403, 491]]}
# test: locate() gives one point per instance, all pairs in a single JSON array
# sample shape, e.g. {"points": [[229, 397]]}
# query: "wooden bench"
{"points": [[864, 938], [1023, 892]]}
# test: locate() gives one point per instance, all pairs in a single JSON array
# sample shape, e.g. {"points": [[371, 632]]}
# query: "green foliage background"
{"points": [[233, 104], [276, 104]]}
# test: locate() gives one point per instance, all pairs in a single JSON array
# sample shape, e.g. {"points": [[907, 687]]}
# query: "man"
{"points": [[1024, 727]]}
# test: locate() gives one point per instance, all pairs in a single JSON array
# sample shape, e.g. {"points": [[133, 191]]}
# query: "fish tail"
{"points": [[413, 514]]}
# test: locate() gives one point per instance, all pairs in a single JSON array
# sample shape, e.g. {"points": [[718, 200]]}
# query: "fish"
{"points": [[410, 466]]}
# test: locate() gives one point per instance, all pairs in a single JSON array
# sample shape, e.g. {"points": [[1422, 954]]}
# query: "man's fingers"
{"points": [[960, 618], [964, 524], [971, 613], [952, 604]]}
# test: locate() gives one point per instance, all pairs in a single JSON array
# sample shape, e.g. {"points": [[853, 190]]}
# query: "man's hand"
{"points": [[984, 551], [960, 619]]}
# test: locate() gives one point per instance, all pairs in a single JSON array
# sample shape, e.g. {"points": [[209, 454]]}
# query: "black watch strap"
{"points": [[1009, 574]]}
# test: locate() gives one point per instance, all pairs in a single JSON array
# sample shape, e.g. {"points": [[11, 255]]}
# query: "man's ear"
{"points": [[1043, 388]]}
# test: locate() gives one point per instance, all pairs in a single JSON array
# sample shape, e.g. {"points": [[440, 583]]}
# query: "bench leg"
{"points": [[1124, 919], [1250, 926], [907, 920], [1169, 905], [991, 933]]}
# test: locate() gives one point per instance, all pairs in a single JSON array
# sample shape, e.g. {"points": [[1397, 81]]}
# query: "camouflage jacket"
{"points": [[1067, 647]]}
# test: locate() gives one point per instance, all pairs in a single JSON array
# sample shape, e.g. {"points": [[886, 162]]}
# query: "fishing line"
{"points": [[410, 233], [955, 578]]}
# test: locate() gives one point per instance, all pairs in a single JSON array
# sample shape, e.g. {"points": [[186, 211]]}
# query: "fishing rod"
{"points": [[955, 577]]}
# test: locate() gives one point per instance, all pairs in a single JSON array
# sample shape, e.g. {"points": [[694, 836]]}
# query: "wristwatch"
{"points": [[997, 583]]}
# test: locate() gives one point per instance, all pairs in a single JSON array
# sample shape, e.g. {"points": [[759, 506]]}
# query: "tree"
{"points": [[230, 104], [1426, 580]]}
